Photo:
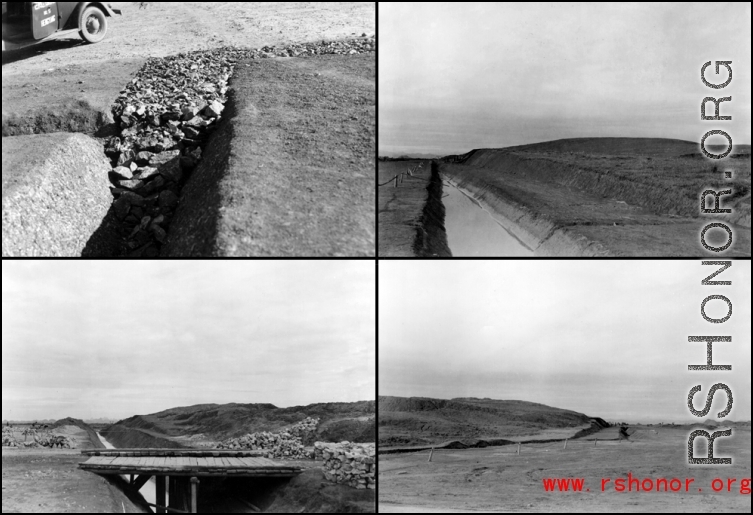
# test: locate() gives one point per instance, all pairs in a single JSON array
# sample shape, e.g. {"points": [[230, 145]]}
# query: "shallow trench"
{"points": [[473, 232]]}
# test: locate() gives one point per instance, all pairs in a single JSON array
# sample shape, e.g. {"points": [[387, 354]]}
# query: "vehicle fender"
{"points": [[73, 20], [109, 11]]}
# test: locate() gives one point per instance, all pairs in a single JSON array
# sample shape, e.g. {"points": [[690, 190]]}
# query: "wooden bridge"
{"points": [[177, 471]]}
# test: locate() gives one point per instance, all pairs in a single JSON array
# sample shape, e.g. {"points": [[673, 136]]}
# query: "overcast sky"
{"points": [[115, 339], [604, 338], [458, 76]]}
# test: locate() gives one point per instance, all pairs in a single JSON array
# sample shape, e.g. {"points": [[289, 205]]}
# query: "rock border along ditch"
{"points": [[348, 463], [165, 116]]}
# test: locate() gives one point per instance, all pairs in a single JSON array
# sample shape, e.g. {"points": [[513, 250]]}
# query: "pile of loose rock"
{"points": [[305, 429], [53, 441], [277, 445], [45, 440], [164, 116], [348, 463], [9, 440]]}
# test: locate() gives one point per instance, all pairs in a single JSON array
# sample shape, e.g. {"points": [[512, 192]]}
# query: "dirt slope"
{"points": [[416, 420], [610, 196], [661, 175], [339, 421], [94, 441], [290, 171], [308, 492]]}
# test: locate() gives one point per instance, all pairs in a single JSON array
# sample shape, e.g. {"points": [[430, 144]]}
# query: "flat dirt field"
{"points": [[400, 208], [92, 76], [49, 481], [495, 479]]}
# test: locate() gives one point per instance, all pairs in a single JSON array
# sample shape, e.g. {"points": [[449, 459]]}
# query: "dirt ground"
{"points": [[497, 480], [48, 86], [298, 176], [49, 481], [400, 208]]}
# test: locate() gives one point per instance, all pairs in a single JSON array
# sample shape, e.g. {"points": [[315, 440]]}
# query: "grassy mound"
{"points": [[352, 421], [420, 421]]}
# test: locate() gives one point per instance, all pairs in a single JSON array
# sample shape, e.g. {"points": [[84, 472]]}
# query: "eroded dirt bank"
{"points": [[125, 437]]}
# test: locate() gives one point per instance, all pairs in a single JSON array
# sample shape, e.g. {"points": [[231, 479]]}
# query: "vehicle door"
{"points": [[44, 19]]}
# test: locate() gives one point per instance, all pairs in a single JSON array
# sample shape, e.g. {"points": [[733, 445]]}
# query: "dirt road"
{"points": [[47, 87]]}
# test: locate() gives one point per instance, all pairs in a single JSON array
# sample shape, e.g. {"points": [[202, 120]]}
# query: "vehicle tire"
{"points": [[93, 25]]}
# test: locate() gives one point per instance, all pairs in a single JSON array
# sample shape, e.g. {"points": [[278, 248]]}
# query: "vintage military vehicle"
{"points": [[31, 23]]}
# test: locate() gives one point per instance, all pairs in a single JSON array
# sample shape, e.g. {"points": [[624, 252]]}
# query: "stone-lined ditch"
{"points": [[164, 118]]}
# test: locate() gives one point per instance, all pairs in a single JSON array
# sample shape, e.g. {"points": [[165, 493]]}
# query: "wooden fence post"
{"points": [[431, 454], [565, 443], [518, 448]]}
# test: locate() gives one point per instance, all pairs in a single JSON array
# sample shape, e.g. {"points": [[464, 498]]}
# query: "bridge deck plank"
{"points": [[183, 465]]}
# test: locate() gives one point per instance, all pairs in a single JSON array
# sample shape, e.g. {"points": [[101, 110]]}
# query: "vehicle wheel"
{"points": [[93, 25]]}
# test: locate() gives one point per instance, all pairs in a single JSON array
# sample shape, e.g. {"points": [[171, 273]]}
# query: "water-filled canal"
{"points": [[473, 232]]}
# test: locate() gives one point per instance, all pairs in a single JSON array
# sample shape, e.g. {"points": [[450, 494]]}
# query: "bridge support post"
{"points": [[194, 495], [180, 493], [161, 490]]}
